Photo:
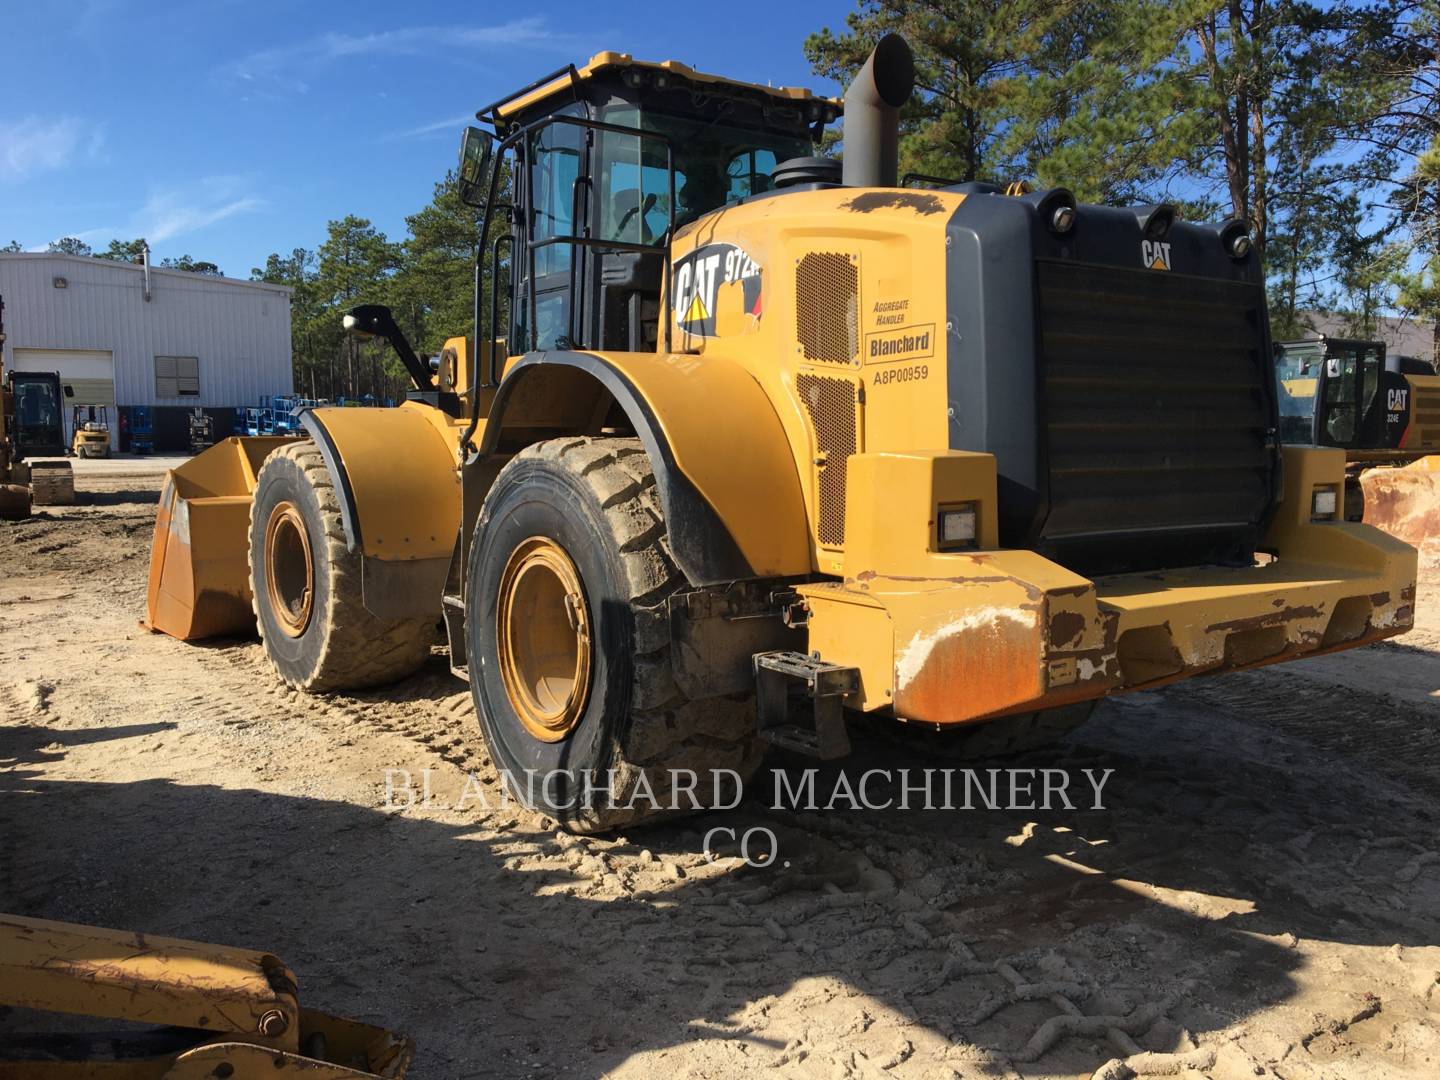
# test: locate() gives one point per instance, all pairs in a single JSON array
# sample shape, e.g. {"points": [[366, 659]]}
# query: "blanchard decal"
{"points": [[699, 278], [1155, 254], [907, 343], [909, 373]]}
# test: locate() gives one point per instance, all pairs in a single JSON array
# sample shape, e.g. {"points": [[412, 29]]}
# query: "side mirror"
{"points": [[474, 180], [69, 390]]}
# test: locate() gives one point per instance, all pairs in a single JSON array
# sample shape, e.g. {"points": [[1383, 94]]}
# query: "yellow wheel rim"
{"points": [[289, 569], [543, 638]]}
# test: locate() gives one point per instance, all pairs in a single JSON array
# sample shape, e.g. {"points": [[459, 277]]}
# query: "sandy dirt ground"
{"points": [[1261, 893]]}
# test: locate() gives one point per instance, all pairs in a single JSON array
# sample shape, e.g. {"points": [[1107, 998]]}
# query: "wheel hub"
{"points": [[289, 569], [544, 639]]}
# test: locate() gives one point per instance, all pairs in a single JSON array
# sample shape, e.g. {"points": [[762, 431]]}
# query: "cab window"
{"points": [[1340, 397], [715, 164], [556, 152], [749, 172]]}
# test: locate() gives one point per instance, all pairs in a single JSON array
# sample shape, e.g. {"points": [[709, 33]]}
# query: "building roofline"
{"points": [[139, 269]]}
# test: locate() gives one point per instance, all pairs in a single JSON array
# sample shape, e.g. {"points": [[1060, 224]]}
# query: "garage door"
{"points": [[90, 373]]}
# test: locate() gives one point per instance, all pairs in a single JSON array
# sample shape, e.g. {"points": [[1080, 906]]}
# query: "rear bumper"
{"points": [[962, 637]]}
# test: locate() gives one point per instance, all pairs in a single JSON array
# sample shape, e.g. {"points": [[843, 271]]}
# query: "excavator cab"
{"points": [[1353, 395], [1382, 410], [607, 162], [39, 401]]}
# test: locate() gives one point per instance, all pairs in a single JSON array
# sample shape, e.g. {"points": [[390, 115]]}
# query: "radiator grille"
{"points": [[831, 405], [1155, 417], [827, 303]]}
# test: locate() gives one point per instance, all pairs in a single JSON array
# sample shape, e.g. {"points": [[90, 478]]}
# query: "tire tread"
{"points": [[361, 649]]}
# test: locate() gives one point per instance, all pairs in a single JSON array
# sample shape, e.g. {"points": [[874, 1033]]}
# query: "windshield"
{"points": [[715, 165], [36, 405], [1296, 376]]}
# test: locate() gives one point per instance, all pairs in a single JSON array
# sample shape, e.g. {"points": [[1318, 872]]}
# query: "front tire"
{"points": [[305, 585], [567, 630]]}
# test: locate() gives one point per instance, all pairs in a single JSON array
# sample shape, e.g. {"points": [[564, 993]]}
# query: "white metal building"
{"points": [[124, 335]]}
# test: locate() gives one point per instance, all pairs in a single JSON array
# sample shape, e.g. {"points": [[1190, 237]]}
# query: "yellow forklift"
{"points": [[90, 425]]}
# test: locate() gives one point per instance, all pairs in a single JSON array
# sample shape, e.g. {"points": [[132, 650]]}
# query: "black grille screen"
{"points": [[1154, 416]]}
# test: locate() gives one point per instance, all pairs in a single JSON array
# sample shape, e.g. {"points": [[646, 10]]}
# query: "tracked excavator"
{"points": [[31, 425], [1384, 412], [748, 442]]}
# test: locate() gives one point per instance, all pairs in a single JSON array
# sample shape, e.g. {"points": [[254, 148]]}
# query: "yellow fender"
{"points": [[396, 479], [723, 466]]}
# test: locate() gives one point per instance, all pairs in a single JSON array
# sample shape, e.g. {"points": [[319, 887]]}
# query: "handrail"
{"points": [[520, 137]]}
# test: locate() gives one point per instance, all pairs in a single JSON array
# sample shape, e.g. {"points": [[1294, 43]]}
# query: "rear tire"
{"points": [[578, 686], [305, 585]]}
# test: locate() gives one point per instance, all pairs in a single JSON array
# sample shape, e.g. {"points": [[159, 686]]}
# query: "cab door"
{"points": [[1349, 394], [1371, 358]]}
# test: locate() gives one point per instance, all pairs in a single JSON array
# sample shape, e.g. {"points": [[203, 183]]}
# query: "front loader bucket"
{"points": [[1406, 502], [199, 569]]}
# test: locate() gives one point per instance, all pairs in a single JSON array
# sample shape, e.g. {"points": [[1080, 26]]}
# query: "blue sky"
{"points": [[228, 129]]}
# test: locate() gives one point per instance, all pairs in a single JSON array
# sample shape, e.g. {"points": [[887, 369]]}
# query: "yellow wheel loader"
{"points": [[749, 441], [192, 1010], [1384, 412]]}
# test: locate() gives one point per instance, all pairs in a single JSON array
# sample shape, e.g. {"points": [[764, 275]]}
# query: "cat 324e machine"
{"points": [[749, 441], [1384, 412]]}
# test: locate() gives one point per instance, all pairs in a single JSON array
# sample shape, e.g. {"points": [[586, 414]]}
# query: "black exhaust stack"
{"points": [[872, 115]]}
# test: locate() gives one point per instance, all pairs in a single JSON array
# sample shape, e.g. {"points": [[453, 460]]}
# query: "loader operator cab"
{"points": [[604, 164]]}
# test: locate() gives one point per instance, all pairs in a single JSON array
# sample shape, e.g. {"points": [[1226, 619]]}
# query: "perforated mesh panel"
{"points": [[827, 301], [831, 405]]}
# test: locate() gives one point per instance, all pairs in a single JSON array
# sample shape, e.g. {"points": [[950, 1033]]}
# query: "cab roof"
{"points": [[602, 63]]}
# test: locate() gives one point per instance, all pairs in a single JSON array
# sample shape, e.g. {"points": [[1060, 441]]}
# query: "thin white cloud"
{"points": [[174, 212], [450, 123], [36, 145], [279, 69]]}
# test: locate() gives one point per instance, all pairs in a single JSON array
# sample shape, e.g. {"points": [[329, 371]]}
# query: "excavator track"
{"points": [[52, 483]]}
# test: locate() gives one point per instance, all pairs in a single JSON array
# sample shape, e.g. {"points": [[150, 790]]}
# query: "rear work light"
{"points": [[1324, 504], [958, 526]]}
